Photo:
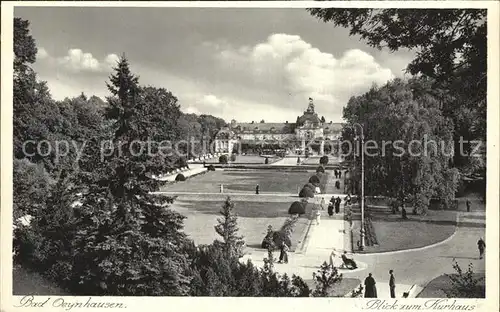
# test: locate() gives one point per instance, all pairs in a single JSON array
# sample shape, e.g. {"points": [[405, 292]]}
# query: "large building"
{"points": [[308, 130]]}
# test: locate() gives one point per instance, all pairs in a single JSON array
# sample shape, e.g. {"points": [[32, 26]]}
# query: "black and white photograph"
{"points": [[251, 151]]}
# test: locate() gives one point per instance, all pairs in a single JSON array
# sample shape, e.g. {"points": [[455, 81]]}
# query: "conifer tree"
{"points": [[137, 243], [326, 277], [227, 227]]}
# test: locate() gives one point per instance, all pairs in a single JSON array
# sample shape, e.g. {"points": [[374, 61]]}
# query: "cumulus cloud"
{"points": [[76, 60], [288, 63], [41, 54]]}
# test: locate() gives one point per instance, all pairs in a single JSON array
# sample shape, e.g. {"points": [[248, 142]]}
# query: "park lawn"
{"points": [[243, 159], [269, 181], [345, 286], [436, 288], [314, 160], [26, 282], [393, 233], [253, 220]]}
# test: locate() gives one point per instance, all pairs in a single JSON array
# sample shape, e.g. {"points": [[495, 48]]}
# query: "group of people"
{"points": [[334, 204], [371, 288], [338, 174]]}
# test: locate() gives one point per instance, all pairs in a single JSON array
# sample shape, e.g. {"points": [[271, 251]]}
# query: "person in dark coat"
{"points": [[370, 288], [257, 189], [330, 209], [337, 185], [337, 205], [392, 284], [481, 245], [340, 174], [468, 205]]}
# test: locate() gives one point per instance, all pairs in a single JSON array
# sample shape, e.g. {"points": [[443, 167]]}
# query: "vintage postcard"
{"points": [[156, 155]]}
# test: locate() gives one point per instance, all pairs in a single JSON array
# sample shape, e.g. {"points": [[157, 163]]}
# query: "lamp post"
{"points": [[362, 231]]}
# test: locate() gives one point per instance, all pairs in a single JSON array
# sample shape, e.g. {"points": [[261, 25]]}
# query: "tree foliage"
{"points": [[232, 244], [410, 167], [451, 49]]}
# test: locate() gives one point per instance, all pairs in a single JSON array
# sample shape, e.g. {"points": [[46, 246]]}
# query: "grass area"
{"points": [[253, 219], [314, 160], [435, 289], [341, 289], [25, 282], [269, 181], [393, 233]]}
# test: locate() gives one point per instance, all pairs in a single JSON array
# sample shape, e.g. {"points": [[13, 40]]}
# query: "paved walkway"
{"points": [[411, 268]]}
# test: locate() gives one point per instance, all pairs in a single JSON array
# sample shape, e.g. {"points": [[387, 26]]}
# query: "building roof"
{"points": [[242, 127]]}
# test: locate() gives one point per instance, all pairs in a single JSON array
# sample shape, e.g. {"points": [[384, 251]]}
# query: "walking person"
{"points": [[370, 288], [318, 216], [467, 202], [481, 245], [257, 189], [392, 284], [330, 209], [322, 204], [283, 253], [337, 205], [340, 174]]}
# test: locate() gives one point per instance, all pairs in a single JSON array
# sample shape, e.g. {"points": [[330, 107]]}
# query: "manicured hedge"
{"points": [[223, 159], [323, 160], [297, 208], [314, 180], [180, 177]]}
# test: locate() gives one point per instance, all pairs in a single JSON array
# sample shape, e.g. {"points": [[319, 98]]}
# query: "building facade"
{"points": [[308, 130]]}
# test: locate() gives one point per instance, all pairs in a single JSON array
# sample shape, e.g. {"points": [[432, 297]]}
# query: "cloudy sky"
{"points": [[246, 64]]}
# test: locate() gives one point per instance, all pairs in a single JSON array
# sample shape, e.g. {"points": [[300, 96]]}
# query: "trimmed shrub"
{"points": [[297, 208], [180, 177], [223, 159], [277, 239], [314, 180], [211, 168], [320, 169], [306, 192], [310, 186], [323, 160], [233, 157]]}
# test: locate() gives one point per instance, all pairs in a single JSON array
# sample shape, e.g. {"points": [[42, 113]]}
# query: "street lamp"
{"points": [[362, 231]]}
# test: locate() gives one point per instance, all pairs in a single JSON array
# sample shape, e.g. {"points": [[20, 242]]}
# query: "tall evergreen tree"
{"points": [[227, 227], [137, 243]]}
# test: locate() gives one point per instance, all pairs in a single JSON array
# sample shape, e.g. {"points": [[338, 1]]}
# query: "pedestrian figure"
{"points": [[257, 189], [468, 205], [335, 261], [403, 213], [481, 245], [348, 199], [340, 174], [370, 288], [330, 209], [283, 253], [337, 185], [322, 204], [392, 284], [318, 216], [298, 160], [337, 205], [222, 188]]}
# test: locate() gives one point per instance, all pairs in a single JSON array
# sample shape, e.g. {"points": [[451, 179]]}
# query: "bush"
{"points": [[211, 168], [306, 193], [277, 238], [233, 157], [323, 160], [314, 180], [266, 161], [320, 169], [223, 159], [180, 177], [311, 186], [297, 208]]}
